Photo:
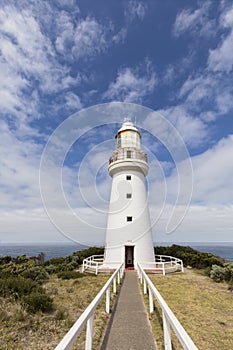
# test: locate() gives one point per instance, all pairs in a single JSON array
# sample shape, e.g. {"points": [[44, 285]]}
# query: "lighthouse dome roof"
{"points": [[128, 125]]}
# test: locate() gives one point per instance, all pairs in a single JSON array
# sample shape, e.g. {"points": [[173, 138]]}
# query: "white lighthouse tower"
{"points": [[128, 236]]}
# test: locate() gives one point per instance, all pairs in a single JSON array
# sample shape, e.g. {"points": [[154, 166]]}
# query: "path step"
{"points": [[129, 327]]}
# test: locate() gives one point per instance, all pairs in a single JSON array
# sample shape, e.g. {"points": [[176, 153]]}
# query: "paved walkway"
{"points": [[129, 327]]}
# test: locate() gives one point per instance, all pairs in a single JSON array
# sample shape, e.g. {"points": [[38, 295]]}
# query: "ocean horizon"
{"points": [[61, 249]]}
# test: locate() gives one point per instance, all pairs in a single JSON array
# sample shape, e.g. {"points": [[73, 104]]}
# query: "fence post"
{"points": [[151, 301], [164, 272], [145, 289], [167, 333], [118, 278], [89, 332], [141, 277], [108, 300], [114, 285]]}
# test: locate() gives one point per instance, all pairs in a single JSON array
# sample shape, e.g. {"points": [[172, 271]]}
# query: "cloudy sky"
{"points": [[60, 58]]}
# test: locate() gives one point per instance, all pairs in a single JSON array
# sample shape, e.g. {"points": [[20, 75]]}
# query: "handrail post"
{"points": [[145, 289], [151, 303], [167, 333], [114, 285], [118, 278], [89, 332], [108, 300], [164, 272]]}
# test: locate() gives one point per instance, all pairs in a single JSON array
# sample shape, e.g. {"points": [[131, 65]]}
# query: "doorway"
{"points": [[129, 256]]}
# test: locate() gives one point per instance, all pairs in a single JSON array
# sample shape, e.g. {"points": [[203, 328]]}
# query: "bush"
{"points": [[221, 274], [37, 302], [82, 254], [36, 273], [66, 275], [17, 287], [5, 259], [50, 269], [228, 272], [217, 273]]}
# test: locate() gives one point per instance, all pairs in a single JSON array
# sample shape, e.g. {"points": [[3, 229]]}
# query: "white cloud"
{"points": [[192, 129], [221, 58], [89, 38], [135, 9], [201, 224], [131, 85], [19, 178], [213, 174], [73, 101], [120, 36], [28, 63], [80, 39], [195, 21]]}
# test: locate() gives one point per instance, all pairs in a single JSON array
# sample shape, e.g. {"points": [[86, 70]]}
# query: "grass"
{"points": [[203, 307], [20, 330]]}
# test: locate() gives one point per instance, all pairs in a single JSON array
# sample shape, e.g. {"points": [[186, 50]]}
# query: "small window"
{"points": [[128, 195], [128, 177], [129, 218], [128, 154]]}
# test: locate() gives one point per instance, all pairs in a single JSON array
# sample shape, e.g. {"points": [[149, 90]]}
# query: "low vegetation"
{"points": [[202, 306], [39, 302]]}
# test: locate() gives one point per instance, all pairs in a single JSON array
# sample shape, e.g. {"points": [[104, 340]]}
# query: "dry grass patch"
{"points": [[203, 307], [20, 330]]}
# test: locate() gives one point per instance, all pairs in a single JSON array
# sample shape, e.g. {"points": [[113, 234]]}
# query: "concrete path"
{"points": [[129, 327]]}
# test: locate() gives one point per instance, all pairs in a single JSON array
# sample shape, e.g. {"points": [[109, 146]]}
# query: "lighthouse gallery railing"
{"points": [[87, 317], [128, 153], [169, 319]]}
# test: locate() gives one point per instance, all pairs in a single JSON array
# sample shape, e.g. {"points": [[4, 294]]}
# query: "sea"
{"points": [[54, 250]]}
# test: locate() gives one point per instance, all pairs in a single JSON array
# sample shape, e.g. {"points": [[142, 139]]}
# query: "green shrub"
{"points": [[222, 273], [217, 273], [50, 269], [37, 302], [17, 287], [85, 253], [55, 261], [66, 275], [5, 259], [36, 273], [228, 272]]}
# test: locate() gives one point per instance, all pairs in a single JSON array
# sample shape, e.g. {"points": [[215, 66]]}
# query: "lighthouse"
{"points": [[128, 234]]}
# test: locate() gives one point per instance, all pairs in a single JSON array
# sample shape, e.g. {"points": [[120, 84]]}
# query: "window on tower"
{"points": [[128, 195], [129, 218], [128, 177], [118, 143], [128, 155]]}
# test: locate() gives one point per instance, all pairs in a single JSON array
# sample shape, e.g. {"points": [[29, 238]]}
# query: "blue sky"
{"points": [[60, 57]]}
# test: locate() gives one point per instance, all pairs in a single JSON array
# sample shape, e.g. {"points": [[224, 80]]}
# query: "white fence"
{"points": [[169, 319], [164, 264], [93, 263], [87, 317]]}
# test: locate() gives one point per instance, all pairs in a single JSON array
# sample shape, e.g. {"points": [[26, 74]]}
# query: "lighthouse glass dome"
{"points": [[128, 233]]}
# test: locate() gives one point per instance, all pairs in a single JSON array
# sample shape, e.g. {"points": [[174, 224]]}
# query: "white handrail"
{"points": [[169, 319], [87, 317]]}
